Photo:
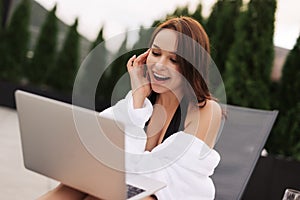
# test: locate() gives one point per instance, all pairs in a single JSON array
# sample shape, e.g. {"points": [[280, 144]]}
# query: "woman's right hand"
{"points": [[140, 84]]}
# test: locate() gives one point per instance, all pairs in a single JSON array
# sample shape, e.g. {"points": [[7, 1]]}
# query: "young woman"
{"points": [[170, 103]]}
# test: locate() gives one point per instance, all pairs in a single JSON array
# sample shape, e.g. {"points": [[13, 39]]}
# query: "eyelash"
{"points": [[155, 54], [158, 54], [173, 60]]}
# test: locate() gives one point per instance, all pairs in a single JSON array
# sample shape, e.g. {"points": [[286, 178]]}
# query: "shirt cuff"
{"points": [[139, 116]]}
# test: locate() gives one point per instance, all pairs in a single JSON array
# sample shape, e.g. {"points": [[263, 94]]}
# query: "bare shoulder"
{"points": [[204, 122], [213, 108]]}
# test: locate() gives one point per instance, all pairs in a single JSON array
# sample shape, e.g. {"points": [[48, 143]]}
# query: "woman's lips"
{"points": [[160, 77]]}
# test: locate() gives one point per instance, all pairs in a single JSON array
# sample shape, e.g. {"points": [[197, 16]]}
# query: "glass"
{"points": [[291, 194]]}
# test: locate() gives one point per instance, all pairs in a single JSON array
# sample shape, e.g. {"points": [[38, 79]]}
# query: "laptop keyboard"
{"points": [[132, 191]]}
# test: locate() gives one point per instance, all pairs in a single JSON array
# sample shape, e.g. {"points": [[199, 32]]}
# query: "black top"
{"points": [[177, 122]]}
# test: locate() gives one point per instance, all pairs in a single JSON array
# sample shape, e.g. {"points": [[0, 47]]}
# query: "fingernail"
{"points": [[133, 56]]}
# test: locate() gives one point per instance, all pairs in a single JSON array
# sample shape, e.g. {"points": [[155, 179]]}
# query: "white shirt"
{"points": [[183, 161]]}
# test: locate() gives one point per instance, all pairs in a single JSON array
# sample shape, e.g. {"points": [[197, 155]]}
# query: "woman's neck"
{"points": [[169, 99]]}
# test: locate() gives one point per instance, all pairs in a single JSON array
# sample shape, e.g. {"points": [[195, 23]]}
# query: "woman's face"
{"points": [[162, 63]]}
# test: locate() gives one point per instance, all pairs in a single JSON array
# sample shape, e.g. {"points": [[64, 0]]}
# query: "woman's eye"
{"points": [[173, 60], [155, 53]]}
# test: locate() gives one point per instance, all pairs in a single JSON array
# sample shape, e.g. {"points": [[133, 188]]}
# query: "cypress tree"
{"points": [[180, 11], [247, 73], [102, 52], [87, 77], [2, 44], [120, 67], [63, 74], [114, 72], [143, 42], [220, 28], [16, 42], [1, 17], [144, 38], [197, 15], [99, 60], [289, 83], [284, 138], [156, 23], [6, 10], [45, 51], [99, 39], [213, 17]]}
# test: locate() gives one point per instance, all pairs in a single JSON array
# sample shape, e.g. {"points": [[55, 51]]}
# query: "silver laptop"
{"points": [[53, 147]]}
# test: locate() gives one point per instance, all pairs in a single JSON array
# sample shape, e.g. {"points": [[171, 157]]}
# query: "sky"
{"points": [[117, 16]]}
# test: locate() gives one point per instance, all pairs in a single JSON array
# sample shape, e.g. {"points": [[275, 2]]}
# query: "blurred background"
{"points": [[255, 45]]}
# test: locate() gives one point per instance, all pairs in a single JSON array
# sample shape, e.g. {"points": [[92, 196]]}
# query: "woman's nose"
{"points": [[161, 63], [159, 66]]}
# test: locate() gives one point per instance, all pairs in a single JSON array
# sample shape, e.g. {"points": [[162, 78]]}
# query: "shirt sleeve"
{"points": [[184, 162], [133, 120]]}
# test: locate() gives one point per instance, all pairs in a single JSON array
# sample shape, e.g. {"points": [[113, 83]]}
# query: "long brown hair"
{"points": [[193, 58]]}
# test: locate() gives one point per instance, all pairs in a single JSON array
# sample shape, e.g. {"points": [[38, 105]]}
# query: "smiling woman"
{"points": [[171, 119]]}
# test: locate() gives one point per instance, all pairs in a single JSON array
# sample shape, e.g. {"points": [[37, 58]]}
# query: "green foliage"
{"points": [[1, 16], [87, 78], [114, 72], [99, 39], [119, 67], [99, 59], [284, 138], [156, 23], [144, 38], [213, 17], [14, 43], [247, 73], [45, 51], [143, 42], [179, 11], [290, 84], [220, 28], [67, 62], [197, 15], [290, 127], [3, 53]]}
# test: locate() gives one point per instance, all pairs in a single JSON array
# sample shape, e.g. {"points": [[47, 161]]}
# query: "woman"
{"points": [[170, 99]]}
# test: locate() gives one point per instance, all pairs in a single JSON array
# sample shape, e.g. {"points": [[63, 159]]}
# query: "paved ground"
{"points": [[16, 182]]}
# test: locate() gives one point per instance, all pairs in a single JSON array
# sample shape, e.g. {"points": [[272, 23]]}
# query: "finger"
{"points": [[145, 54], [130, 61], [140, 60]]}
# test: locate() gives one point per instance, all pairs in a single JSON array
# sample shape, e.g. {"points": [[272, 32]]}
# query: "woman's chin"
{"points": [[158, 88]]}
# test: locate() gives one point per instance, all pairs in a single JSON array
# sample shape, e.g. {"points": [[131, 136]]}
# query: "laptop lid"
{"points": [[78, 148], [52, 146]]}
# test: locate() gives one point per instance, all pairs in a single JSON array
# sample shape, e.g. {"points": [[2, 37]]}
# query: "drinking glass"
{"points": [[291, 194]]}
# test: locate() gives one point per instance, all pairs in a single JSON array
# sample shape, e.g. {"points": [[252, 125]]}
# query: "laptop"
{"points": [[59, 141]]}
